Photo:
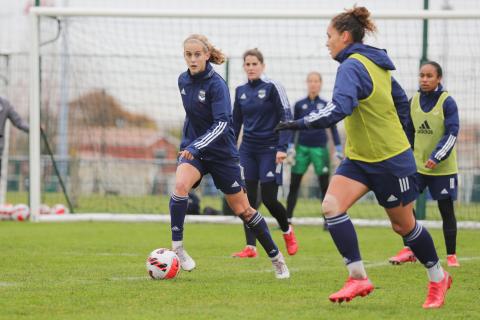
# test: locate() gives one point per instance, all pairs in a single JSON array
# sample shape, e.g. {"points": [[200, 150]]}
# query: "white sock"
{"points": [[435, 273], [289, 230], [356, 270], [252, 247], [277, 257], [177, 244]]}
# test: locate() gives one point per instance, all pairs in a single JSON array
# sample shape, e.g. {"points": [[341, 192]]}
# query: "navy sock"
{"points": [[178, 210], [249, 236], [345, 238], [259, 227], [421, 243]]}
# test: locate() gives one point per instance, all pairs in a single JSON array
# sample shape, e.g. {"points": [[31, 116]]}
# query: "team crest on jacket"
{"points": [[320, 106], [304, 107], [262, 93], [201, 95]]}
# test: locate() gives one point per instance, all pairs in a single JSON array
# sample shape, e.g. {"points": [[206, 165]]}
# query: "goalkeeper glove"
{"points": [[287, 125]]}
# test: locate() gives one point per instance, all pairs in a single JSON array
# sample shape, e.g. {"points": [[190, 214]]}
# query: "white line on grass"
{"points": [[308, 221], [368, 265], [386, 263], [7, 284]]}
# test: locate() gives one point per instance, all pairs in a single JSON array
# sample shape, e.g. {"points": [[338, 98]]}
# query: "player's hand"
{"points": [[185, 154], [287, 125], [430, 164], [280, 157]]}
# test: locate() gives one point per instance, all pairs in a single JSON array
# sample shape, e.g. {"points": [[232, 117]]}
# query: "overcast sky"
{"points": [[140, 61]]}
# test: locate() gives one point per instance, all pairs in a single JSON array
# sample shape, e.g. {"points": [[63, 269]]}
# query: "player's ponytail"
{"points": [[216, 55], [357, 21]]}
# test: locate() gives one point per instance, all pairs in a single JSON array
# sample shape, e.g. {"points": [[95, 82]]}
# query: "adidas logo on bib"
{"points": [[425, 128]]}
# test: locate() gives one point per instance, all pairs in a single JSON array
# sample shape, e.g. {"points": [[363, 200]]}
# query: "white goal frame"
{"points": [[37, 12]]}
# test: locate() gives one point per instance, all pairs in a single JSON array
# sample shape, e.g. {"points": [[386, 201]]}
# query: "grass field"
{"points": [[96, 271], [159, 204]]}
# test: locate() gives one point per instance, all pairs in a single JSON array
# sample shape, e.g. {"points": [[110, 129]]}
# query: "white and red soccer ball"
{"points": [[59, 209], [20, 212], [6, 211], [163, 264]]}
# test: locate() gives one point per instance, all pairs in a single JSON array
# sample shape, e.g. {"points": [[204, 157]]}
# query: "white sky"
{"points": [[147, 83]]}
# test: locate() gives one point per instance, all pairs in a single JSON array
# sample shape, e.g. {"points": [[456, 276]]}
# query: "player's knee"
{"points": [[247, 214], [402, 228], [330, 207], [181, 188]]}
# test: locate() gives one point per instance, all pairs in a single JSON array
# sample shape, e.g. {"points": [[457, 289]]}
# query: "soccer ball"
{"points": [[44, 209], [59, 209], [163, 264], [6, 211], [20, 212]]}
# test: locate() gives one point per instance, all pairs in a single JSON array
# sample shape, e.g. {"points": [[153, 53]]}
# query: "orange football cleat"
{"points": [[352, 288], [404, 255], [248, 252], [437, 292]]}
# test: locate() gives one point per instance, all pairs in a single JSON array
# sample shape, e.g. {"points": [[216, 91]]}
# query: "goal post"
{"points": [[109, 46]]}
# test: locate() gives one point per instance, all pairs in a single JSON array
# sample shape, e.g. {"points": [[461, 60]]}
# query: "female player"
{"points": [[259, 106], [208, 146], [435, 121], [378, 154], [311, 146]]}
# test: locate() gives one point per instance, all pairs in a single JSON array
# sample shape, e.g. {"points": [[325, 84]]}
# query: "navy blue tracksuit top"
{"points": [[260, 105], [313, 137], [207, 131]]}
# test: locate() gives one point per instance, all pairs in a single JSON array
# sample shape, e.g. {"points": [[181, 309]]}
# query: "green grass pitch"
{"points": [[97, 271]]}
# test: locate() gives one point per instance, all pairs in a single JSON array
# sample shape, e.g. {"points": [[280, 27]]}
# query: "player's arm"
{"points": [[14, 117], [237, 116], [402, 105], [447, 142], [336, 141], [350, 85], [221, 105], [284, 113]]}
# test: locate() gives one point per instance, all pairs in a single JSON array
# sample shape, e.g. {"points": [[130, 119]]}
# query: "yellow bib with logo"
{"points": [[429, 129], [373, 130]]}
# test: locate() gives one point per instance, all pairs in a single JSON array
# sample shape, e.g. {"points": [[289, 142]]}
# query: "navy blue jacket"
{"points": [[353, 83], [260, 105], [207, 131], [450, 112], [314, 137]]}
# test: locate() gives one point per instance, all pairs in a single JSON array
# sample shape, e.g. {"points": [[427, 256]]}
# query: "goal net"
{"points": [[105, 86]]}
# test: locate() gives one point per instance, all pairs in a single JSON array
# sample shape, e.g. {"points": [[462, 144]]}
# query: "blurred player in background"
{"points": [[259, 106], [208, 146], [8, 112], [435, 122], [311, 146], [378, 154]]}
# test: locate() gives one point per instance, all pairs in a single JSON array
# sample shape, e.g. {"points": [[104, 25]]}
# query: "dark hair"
{"points": [[436, 65], [357, 21], [254, 52]]}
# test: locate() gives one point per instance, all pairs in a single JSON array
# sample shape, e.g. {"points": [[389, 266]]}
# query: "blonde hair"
{"points": [[216, 55], [315, 73]]}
